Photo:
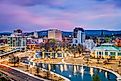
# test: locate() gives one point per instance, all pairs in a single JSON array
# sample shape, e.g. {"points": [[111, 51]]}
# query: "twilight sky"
{"points": [[32, 15]]}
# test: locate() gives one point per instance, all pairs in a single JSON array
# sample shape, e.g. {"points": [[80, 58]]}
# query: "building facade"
{"points": [[78, 36], [34, 43], [55, 34], [89, 44], [17, 39], [118, 42], [3, 40], [107, 51], [35, 34]]}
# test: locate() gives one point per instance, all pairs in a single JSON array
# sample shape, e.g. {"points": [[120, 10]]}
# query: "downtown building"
{"points": [[34, 41], [117, 42], [78, 36], [89, 44], [17, 40], [107, 50], [55, 34]]}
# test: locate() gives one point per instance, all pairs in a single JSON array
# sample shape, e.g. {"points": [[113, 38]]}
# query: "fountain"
{"points": [[106, 74], [49, 67], [79, 73], [74, 69], [91, 71], [82, 69], [65, 67], [43, 65], [100, 70], [61, 68], [69, 75]]}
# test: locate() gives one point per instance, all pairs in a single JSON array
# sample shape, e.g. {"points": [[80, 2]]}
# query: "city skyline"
{"points": [[60, 40], [32, 15]]}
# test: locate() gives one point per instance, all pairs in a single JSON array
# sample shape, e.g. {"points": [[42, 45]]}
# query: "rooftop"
{"points": [[108, 46]]}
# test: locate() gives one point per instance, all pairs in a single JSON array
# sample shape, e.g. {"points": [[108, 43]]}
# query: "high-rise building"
{"points": [[55, 34], [78, 36]]}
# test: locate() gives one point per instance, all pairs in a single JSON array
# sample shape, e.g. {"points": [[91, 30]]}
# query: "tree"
{"points": [[3, 79], [119, 63], [87, 60], [107, 39], [98, 60], [80, 49], [47, 73], [14, 60], [74, 54], [37, 70], [96, 77], [27, 67]]}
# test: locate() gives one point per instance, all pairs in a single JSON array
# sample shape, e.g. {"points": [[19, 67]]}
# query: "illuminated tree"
{"points": [[96, 77], [14, 60]]}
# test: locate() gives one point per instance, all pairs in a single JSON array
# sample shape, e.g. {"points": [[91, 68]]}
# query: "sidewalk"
{"points": [[23, 76]]}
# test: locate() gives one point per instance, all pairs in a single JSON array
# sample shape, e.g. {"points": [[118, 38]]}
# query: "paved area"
{"points": [[18, 76], [31, 70], [112, 65]]}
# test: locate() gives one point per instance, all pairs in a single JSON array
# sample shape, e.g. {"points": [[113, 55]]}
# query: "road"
{"points": [[16, 75]]}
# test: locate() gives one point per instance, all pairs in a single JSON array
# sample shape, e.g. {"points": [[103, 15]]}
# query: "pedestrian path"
{"points": [[19, 74]]}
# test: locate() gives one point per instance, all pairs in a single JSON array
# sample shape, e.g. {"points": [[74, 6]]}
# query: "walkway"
{"points": [[17, 75], [9, 52]]}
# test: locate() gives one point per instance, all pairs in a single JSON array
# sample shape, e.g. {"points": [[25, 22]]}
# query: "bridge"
{"points": [[10, 52]]}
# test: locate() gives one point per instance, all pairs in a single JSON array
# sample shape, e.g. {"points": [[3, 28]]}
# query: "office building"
{"points": [[17, 39], [78, 36], [55, 34]]}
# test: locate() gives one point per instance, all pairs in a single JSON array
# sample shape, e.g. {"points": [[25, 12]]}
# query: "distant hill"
{"points": [[87, 32], [5, 33], [100, 32], [65, 33]]}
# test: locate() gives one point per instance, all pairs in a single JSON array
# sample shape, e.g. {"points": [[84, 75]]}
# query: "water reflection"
{"points": [[106, 74], [65, 67], [49, 67], [74, 69], [61, 68], [91, 71], [77, 72]]}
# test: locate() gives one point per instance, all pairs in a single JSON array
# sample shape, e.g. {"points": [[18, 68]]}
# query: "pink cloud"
{"points": [[54, 18], [18, 15]]}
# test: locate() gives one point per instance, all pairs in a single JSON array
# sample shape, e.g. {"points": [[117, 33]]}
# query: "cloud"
{"points": [[61, 14], [116, 3], [12, 14], [50, 3]]}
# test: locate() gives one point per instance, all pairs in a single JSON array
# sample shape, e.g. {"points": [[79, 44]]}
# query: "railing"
{"points": [[9, 52]]}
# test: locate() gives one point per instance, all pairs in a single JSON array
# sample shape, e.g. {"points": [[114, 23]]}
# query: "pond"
{"points": [[78, 72]]}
